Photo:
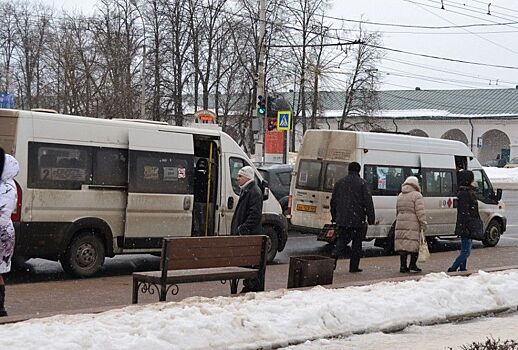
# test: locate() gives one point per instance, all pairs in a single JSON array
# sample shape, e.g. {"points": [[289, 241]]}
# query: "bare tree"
{"points": [[7, 43], [32, 29], [179, 48], [360, 97], [117, 44]]}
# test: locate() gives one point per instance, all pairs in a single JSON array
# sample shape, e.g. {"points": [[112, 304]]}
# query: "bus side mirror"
{"points": [[498, 194], [266, 189]]}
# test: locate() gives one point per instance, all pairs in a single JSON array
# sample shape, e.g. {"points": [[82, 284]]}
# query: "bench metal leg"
{"points": [[163, 292], [233, 286], [134, 296]]}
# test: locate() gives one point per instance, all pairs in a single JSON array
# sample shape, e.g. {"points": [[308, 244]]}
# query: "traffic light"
{"points": [[261, 106], [272, 124], [270, 102]]}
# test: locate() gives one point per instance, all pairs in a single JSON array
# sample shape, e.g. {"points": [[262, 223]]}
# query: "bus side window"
{"points": [[438, 182]]}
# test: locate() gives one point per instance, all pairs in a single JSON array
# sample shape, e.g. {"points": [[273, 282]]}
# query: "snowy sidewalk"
{"points": [[270, 319]]}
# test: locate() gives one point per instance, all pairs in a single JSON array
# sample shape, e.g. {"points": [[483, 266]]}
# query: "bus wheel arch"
{"points": [[96, 225]]}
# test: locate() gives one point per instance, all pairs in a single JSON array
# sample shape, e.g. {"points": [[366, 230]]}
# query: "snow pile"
{"points": [[263, 319], [506, 178]]}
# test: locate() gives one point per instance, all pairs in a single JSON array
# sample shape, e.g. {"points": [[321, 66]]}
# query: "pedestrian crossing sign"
{"points": [[284, 120]]}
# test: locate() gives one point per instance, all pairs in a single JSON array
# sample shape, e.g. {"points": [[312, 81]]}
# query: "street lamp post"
{"points": [[143, 66]]}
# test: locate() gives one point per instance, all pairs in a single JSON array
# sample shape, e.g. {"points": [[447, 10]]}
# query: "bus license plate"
{"points": [[306, 207]]}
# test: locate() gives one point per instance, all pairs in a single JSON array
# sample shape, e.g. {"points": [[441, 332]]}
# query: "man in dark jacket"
{"points": [[249, 208], [351, 203], [247, 216]]}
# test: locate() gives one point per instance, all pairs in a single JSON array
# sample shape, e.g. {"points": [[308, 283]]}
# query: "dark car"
{"points": [[278, 177]]}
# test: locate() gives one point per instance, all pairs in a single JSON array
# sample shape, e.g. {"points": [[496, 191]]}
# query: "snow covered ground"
{"points": [[277, 318], [444, 336], [505, 178]]}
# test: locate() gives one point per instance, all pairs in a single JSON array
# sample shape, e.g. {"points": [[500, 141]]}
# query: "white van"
{"points": [[90, 188], [386, 161]]}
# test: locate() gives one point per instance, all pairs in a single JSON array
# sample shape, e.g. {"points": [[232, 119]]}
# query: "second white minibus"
{"points": [[386, 160]]}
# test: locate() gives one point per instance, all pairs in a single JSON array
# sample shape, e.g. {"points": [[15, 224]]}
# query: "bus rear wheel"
{"points": [[85, 255]]}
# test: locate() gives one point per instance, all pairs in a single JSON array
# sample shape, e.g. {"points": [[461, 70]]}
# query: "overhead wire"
{"points": [[435, 68], [467, 30], [435, 6], [404, 25], [494, 5]]}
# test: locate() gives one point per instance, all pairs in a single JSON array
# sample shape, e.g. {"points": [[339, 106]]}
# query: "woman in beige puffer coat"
{"points": [[410, 220]]}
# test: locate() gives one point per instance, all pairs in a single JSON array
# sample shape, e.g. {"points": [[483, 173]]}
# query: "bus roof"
{"points": [[339, 144]]}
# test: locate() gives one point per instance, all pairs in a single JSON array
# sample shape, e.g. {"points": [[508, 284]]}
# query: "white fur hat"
{"points": [[411, 180], [246, 171]]}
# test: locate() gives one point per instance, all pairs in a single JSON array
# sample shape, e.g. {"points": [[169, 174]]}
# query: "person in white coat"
{"points": [[8, 197]]}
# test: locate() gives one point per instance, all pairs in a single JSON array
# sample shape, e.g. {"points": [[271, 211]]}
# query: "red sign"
{"points": [[274, 142]]}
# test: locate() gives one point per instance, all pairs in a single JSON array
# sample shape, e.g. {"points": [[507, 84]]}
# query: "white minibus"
{"points": [[386, 160], [92, 188]]}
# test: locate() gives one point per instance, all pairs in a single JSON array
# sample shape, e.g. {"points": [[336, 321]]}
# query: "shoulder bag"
{"points": [[424, 253]]}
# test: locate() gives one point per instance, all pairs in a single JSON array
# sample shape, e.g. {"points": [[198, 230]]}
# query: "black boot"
{"points": [[413, 261], [403, 268], [2, 300]]}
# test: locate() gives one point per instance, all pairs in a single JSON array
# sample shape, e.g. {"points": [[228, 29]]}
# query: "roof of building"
{"points": [[430, 103]]}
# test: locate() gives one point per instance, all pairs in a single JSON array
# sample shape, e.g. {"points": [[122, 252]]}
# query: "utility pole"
{"points": [[261, 91]]}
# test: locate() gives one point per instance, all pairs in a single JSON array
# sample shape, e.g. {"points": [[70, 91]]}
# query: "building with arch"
{"points": [[484, 119]]}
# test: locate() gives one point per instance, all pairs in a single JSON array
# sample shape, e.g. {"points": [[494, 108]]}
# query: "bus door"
{"points": [[160, 187], [439, 184], [307, 197]]}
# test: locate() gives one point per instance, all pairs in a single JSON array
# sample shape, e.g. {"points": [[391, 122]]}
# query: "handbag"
{"points": [[424, 253], [328, 233]]}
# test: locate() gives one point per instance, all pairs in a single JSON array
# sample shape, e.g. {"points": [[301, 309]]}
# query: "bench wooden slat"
{"points": [[212, 252], [200, 262], [210, 241]]}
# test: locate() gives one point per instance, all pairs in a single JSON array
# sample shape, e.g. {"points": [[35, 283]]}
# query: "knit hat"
{"points": [[411, 180], [247, 171]]}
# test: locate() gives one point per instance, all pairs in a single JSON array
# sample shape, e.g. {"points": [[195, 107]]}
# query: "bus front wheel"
{"points": [[273, 242], [493, 233]]}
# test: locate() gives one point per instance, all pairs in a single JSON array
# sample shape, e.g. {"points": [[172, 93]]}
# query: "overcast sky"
{"points": [[485, 45]]}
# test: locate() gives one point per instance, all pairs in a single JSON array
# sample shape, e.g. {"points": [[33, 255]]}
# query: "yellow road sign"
{"points": [[284, 120]]}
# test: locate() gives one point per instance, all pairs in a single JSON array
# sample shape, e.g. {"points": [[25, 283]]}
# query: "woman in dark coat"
{"points": [[469, 223]]}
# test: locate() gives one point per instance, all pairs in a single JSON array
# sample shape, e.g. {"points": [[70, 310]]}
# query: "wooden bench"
{"points": [[201, 259]]}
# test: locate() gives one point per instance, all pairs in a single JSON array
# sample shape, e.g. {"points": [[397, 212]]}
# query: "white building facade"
{"points": [[484, 119]]}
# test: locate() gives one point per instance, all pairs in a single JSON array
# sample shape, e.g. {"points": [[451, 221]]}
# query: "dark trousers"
{"points": [[354, 234]]}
